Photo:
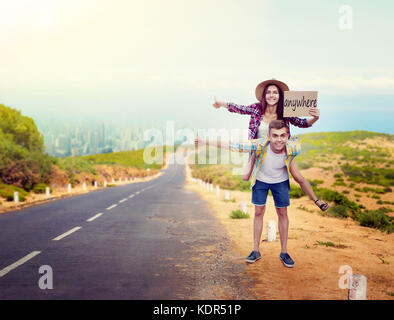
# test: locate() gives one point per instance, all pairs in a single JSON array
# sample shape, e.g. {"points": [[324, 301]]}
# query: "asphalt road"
{"points": [[150, 240]]}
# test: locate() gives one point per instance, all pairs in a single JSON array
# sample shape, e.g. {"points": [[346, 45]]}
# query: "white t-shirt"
{"points": [[263, 130], [274, 168]]}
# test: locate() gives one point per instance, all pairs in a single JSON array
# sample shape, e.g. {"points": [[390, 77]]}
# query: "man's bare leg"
{"points": [[283, 226], [258, 225]]}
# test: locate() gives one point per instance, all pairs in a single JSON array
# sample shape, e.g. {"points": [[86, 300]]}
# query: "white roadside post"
{"points": [[105, 183], [217, 191], [271, 231], [358, 287], [84, 186], [227, 196], [113, 180], [69, 188], [243, 207], [47, 192], [16, 197], [95, 184]]}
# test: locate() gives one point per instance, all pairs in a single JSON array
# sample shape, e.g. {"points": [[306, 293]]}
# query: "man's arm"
{"points": [[245, 146], [298, 177], [215, 143]]}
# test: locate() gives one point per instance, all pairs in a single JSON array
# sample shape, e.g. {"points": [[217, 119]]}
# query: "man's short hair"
{"points": [[277, 124]]}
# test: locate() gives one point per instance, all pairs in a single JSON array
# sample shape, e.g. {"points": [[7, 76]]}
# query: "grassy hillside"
{"points": [[354, 171], [125, 158]]}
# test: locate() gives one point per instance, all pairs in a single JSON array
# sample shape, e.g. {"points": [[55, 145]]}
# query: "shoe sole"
{"points": [[251, 261], [287, 265]]}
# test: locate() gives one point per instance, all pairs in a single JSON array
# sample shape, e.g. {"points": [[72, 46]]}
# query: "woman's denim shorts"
{"points": [[280, 192]]}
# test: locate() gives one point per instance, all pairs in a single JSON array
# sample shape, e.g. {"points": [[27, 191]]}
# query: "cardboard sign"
{"points": [[297, 103]]}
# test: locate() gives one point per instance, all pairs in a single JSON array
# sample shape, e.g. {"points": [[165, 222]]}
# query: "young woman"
{"points": [[270, 107]]}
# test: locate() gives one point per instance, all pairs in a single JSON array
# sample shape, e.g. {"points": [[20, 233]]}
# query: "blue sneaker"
{"points": [[253, 257], [287, 261]]}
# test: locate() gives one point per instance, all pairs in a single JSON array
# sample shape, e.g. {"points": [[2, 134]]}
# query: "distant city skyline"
{"points": [[64, 139]]}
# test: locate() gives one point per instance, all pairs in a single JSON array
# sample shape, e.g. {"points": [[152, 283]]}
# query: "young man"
{"points": [[275, 158]]}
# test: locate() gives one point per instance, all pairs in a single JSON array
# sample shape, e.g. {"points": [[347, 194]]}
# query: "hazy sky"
{"points": [[160, 60]]}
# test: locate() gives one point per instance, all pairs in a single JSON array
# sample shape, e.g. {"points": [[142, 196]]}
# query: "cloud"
{"points": [[347, 84]]}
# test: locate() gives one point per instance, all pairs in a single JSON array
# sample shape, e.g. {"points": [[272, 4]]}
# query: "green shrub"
{"points": [[369, 174], [385, 210], [337, 198], [315, 182], [238, 214], [339, 211], [23, 162], [325, 243], [7, 192], [305, 165], [40, 188], [376, 219], [296, 192], [339, 182], [384, 202], [331, 244]]}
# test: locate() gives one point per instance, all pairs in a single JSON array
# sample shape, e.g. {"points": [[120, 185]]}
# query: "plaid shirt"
{"points": [[293, 148], [255, 111]]}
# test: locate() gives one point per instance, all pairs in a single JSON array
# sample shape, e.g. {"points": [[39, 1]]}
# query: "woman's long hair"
{"points": [[279, 108]]}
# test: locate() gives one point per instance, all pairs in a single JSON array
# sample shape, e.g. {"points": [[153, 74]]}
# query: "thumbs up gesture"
{"points": [[217, 104]]}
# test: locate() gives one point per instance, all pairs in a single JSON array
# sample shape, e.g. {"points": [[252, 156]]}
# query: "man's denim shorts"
{"points": [[280, 192]]}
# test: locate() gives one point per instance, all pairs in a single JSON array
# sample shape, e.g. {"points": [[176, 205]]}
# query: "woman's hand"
{"points": [[314, 112], [218, 104]]}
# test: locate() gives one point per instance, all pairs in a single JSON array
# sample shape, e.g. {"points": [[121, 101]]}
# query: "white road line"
{"points": [[137, 192], [66, 233], [94, 217], [111, 207], [131, 196], [123, 200], [18, 263]]}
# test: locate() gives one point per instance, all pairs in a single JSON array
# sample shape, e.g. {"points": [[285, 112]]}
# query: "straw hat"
{"points": [[261, 86]]}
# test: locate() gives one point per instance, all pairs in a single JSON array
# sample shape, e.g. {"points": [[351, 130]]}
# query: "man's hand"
{"points": [[207, 142]]}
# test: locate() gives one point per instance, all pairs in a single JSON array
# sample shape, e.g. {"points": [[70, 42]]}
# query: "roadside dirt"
{"points": [[315, 276]]}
